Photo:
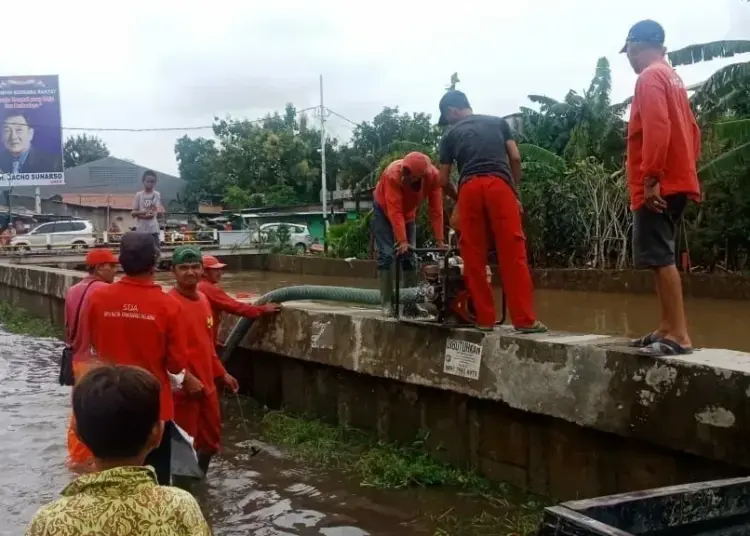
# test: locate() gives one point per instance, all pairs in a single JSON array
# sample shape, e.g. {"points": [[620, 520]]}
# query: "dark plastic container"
{"points": [[716, 508]]}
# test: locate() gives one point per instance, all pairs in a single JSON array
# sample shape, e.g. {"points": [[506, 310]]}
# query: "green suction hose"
{"points": [[310, 292]]}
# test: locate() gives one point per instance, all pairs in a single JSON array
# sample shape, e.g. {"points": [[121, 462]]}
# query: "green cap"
{"points": [[186, 254]]}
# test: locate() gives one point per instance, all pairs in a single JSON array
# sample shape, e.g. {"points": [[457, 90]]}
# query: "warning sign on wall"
{"points": [[462, 358]]}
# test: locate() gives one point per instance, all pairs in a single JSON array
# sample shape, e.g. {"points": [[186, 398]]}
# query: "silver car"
{"points": [[77, 235], [299, 235]]}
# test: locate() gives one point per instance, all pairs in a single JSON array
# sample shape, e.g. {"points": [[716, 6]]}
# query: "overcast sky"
{"points": [[153, 63]]}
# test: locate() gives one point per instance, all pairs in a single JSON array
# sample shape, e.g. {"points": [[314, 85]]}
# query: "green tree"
{"points": [[389, 132], [83, 149]]}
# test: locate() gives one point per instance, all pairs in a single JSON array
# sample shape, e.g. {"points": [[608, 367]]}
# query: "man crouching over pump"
{"points": [[489, 167], [401, 188]]}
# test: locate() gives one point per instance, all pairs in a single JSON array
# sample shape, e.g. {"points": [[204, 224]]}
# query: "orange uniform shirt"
{"points": [[203, 363], [400, 202], [133, 322], [663, 136], [221, 302]]}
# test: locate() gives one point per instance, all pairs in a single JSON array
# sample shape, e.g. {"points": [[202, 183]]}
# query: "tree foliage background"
{"points": [[83, 149], [573, 148]]}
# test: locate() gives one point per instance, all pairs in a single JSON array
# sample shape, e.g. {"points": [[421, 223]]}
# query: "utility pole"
{"points": [[38, 200], [324, 187]]}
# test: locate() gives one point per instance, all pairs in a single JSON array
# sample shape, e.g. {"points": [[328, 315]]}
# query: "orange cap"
{"points": [[418, 163], [209, 261], [98, 256]]}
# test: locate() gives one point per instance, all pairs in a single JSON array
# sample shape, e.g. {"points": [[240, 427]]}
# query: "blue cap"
{"points": [[645, 31]]}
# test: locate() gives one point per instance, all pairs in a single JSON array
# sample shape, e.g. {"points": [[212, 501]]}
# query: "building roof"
{"points": [[108, 176], [114, 201]]}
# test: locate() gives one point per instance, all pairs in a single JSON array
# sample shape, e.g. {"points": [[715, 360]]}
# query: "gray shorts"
{"points": [[655, 234]]}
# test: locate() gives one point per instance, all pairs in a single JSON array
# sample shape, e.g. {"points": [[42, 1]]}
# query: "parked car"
{"points": [[75, 234], [299, 235]]}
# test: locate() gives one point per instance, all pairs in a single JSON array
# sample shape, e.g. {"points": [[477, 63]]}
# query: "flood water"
{"points": [[713, 323], [268, 494]]}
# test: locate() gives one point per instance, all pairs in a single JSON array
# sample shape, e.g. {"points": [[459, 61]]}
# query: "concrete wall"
{"points": [[562, 414]]}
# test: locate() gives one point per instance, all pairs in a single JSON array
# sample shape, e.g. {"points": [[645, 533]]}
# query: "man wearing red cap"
{"points": [[489, 167], [401, 188], [102, 267], [221, 302]]}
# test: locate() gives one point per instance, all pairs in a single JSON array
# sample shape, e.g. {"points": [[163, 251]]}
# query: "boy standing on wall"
{"points": [[146, 206], [197, 409]]}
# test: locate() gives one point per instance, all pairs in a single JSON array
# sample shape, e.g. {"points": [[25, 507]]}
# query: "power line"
{"points": [[342, 117], [152, 129]]}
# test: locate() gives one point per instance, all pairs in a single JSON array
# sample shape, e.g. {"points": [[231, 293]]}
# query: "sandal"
{"points": [[536, 327], [665, 348], [646, 340]]}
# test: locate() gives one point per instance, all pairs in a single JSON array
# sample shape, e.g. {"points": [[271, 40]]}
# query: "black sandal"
{"points": [[646, 340], [666, 348]]}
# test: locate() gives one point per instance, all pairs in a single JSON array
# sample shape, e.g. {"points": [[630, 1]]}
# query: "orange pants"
{"points": [[79, 456], [201, 419], [490, 204]]}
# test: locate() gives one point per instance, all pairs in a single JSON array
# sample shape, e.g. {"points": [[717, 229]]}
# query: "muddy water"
{"points": [[265, 495], [713, 323]]}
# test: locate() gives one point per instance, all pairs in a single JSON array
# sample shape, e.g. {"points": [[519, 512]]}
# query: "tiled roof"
{"points": [[115, 201]]}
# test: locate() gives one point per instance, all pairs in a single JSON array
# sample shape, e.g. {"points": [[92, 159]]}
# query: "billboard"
{"points": [[31, 152]]}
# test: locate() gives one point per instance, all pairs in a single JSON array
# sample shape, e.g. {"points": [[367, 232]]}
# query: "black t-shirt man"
{"points": [[477, 145]]}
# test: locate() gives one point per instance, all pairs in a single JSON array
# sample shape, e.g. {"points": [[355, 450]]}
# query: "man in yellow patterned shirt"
{"points": [[116, 412]]}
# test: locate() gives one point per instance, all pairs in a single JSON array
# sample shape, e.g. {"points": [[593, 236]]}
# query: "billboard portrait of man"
{"points": [[19, 154]]}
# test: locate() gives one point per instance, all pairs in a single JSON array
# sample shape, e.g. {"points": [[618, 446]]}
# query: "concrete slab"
{"points": [[696, 404]]}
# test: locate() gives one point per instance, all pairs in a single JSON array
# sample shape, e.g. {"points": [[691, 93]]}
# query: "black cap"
{"points": [[646, 31], [452, 99]]}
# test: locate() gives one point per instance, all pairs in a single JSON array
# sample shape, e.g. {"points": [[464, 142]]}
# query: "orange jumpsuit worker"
{"points": [[221, 302], [198, 412], [401, 188], [102, 267], [133, 322], [489, 166]]}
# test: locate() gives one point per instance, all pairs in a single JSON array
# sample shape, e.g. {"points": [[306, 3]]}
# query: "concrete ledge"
{"points": [[698, 404]]}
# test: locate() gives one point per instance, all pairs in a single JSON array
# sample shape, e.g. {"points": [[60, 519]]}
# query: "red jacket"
{"points": [[400, 203], [133, 322], [203, 363], [663, 136], [221, 302]]}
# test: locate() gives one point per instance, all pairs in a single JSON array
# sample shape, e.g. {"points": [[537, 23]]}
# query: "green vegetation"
{"points": [[574, 194], [392, 466], [17, 320]]}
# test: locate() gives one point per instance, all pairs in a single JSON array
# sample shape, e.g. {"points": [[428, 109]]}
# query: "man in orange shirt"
{"points": [[133, 322], [401, 188], [102, 267], [221, 302], [663, 147], [197, 411]]}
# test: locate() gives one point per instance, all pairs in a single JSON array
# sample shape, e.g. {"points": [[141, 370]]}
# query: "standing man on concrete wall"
{"points": [[663, 147], [489, 167], [401, 188]]}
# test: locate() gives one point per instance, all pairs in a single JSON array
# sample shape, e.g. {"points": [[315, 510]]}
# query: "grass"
{"points": [[19, 321], [393, 466]]}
